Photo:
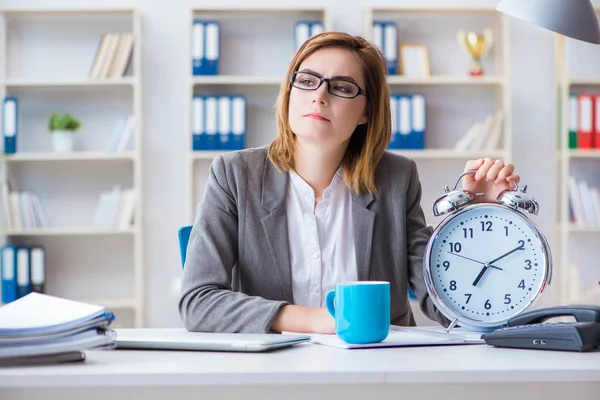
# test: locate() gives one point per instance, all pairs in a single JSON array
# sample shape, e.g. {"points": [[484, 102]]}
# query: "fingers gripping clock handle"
{"points": [[330, 303], [582, 313]]}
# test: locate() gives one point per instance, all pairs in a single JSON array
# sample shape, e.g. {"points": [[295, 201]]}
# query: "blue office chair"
{"points": [[184, 237]]}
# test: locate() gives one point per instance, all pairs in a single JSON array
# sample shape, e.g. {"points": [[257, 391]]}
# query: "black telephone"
{"points": [[530, 331]]}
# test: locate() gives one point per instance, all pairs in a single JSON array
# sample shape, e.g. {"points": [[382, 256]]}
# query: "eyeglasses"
{"points": [[337, 87]]}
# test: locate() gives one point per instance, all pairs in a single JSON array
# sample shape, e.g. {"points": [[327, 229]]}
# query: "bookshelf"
{"points": [[83, 261], [454, 100], [264, 38], [578, 73]]}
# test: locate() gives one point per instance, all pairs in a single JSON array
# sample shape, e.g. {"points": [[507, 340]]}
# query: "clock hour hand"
{"points": [[470, 259], [481, 273], [520, 247]]}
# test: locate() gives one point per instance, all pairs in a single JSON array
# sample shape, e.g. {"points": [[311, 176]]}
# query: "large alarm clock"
{"points": [[486, 262]]}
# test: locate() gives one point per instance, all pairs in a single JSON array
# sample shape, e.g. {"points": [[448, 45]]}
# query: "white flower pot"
{"points": [[62, 141]]}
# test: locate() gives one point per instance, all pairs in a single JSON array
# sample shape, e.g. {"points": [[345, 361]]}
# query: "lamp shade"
{"points": [[573, 18]]}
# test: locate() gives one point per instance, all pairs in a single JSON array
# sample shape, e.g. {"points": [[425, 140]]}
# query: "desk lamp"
{"points": [[573, 18]]}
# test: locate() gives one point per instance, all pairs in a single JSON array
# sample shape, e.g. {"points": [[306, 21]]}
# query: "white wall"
{"points": [[165, 26]]}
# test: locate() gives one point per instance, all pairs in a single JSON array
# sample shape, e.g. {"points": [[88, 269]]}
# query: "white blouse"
{"points": [[321, 240]]}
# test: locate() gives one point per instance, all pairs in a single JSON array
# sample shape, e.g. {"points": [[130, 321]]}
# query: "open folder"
{"points": [[405, 336]]}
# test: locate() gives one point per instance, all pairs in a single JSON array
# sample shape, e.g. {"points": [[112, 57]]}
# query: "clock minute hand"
{"points": [[520, 247], [470, 259]]}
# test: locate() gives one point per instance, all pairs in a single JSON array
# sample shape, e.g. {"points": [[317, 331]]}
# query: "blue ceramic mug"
{"points": [[361, 311]]}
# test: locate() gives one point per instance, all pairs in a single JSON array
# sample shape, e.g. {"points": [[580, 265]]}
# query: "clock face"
{"points": [[486, 264]]}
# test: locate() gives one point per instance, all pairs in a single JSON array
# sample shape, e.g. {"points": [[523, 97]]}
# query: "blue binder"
{"points": [[9, 274], [385, 36], [211, 118], [10, 124], [238, 122], [198, 123], [418, 121], [224, 125], [205, 47], [394, 117], [23, 272]]}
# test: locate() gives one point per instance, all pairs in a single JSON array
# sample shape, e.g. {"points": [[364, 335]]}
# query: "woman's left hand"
{"points": [[491, 178]]}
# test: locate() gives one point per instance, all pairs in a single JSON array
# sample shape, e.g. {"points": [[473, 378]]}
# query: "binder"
{"points": [[23, 283], [10, 126], [378, 35], [316, 28], [210, 128], [385, 37], [301, 34], [224, 126], [418, 122], [9, 274], [205, 47], [585, 116], [573, 118], [37, 258], [390, 47], [404, 122], [304, 30], [198, 133], [394, 114], [596, 132], [212, 44], [197, 47], [238, 122]]}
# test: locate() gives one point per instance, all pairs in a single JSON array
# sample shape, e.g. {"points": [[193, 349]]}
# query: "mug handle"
{"points": [[329, 302]]}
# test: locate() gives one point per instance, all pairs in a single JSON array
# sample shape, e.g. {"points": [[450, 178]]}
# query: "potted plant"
{"points": [[62, 127]]}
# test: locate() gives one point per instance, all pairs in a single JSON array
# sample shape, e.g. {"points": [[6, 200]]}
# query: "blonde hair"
{"points": [[368, 141]]}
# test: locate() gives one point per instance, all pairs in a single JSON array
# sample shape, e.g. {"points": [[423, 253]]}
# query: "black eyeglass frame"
{"points": [[361, 91]]}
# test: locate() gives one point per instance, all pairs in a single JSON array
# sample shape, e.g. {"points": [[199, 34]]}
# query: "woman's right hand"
{"points": [[323, 322], [302, 319]]}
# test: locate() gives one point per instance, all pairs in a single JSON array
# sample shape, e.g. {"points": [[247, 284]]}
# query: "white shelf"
{"points": [[235, 80], [32, 68], [583, 228], [16, 84], [449, 154], [259, 8], [583, 80], [69, 231], [392, 80], [446, 80], [583, 153], [73, 156], [427, 154], [577, 72]]}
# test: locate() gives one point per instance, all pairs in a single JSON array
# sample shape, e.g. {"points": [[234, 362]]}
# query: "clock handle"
{"points": [[461, 175]]}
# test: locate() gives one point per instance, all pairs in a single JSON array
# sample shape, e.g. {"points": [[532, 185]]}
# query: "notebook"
{"points": [[181, 339]]}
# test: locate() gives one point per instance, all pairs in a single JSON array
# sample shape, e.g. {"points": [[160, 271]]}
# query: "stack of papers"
{"points": [[404, 336], [39, 328]]}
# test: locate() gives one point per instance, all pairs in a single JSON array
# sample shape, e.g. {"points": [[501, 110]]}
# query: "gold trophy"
{"points": [[478, 46]]}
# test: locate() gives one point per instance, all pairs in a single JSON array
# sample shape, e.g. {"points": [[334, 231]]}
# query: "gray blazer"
{"points": [[237, 273]]}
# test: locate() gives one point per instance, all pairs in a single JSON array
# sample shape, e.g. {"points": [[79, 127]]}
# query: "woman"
{"points": [[323, 203]]}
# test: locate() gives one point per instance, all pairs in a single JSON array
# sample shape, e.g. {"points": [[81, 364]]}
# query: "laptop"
{"points": [[181, 339]]}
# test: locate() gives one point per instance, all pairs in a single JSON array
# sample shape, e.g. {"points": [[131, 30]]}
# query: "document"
{"points": [[401, 336], [40, 328]]}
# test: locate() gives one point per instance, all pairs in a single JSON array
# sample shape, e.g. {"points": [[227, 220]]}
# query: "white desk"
{"points": [[310, 371]]}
